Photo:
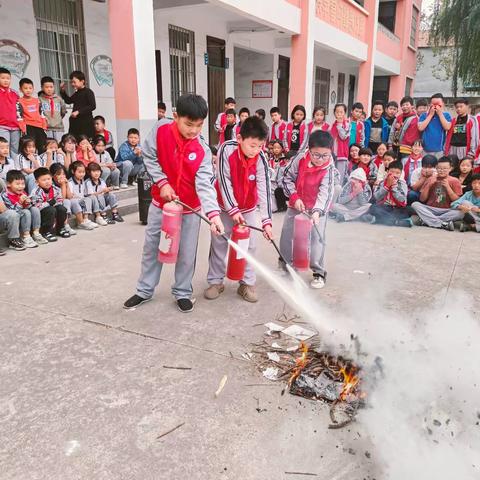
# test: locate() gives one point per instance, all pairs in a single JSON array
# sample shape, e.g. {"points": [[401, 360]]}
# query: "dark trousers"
{"points": [[413, 196], [40, 137], [387, 215], [281, 199], [52, 217]]}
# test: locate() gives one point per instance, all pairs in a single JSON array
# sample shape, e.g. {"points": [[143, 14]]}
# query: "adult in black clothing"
{"points": [[81, 118]]}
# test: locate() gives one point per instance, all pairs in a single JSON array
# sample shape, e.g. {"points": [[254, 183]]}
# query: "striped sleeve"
{"points": [[325, 192], [264, 190], [290, 178], [203, 183], [224, 177]]}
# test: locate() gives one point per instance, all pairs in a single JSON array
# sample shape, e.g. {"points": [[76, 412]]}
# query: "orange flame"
{"points": [[350, 380], [300, 363]]}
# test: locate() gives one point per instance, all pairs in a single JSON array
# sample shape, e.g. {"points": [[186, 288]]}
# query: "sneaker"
{"points": [[29, 242], [367, 218], [110, 221], [116, 187], [417, 221], [92, 224], [117, 217], [16, 244], [38, 239], [135, 301], [49, 237], [134, 183], [405, 222], [69, 229], [101, 221], [123, 186], [448, 226], [340, 218], [213, 291], [64, 233], [185, 305], [248, 293], [85, 226], [2, 252], [317, 282]]}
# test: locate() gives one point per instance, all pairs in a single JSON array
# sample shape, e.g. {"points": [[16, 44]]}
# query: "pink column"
{"points": [[366, 69]]}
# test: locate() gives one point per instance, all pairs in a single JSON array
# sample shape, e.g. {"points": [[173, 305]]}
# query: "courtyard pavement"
{"points": [[83, 389]]}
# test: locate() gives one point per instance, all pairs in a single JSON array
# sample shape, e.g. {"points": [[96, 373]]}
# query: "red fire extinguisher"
{"points": [[236, 260], [170, 233], [302, 227]]}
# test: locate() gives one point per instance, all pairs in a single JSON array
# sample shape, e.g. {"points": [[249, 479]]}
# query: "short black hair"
{"points": [[365, 151], [230, 111], [78, 75], [436, 95], [5, 70], [406, 99], [3, 140], [475, 176], [74, 166], [297, 108], [445, 159], [429, 161], [357, 105], [97, 139], [392, 103], [378, 102], [192, 106], [274, 110], [390, 153], [93, 166], [261, 113], [99, 117], [395, 164], [244, 110], [461, 100], [422, 102], [254, 127], [161, 105], [13, 175], [213, 149], [25, 81], [338, 105], [133, 131], [46, 79], [321, 139], [40, 172], [56, 167], [230, 100]]}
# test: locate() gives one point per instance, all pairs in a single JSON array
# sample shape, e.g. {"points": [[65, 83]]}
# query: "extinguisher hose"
{"points": [[314, 224]]}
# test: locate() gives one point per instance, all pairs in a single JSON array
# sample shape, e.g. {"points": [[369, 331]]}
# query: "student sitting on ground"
{"points": [[381, 150], [52, 154], [391, 199], [100, 129], [389, 157], [366, 163], [96, 187], [420, 176], [110, 172], [413, 162], [129, 159], [48, 199], [68, 149], [85, 153], [10, 223], [464, 174], [6, 163], [436, 195], [469, 205], [60, 180], [15, 198], [28, 161], [353, 202]]}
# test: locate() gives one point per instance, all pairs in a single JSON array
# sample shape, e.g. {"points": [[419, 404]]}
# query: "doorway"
{"points": [[216, 83], [351, 92], [283, 85]]}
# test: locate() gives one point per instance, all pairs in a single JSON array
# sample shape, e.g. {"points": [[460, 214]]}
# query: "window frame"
{"points": [[322, 98], [341, 87], [414, 26]]}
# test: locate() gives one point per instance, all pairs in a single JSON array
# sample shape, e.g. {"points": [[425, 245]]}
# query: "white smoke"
{"points": [[423, 408]]}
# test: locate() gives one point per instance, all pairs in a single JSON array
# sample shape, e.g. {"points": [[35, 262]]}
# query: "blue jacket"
{"points": [[125, 152], [368, 128]]}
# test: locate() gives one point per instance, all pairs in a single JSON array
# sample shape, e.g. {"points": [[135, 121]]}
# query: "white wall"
{"points": [[250, 66]]}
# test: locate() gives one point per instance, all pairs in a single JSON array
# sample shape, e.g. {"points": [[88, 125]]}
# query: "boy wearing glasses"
{"points": [[308, 182], [242, 183], [436, 195]]}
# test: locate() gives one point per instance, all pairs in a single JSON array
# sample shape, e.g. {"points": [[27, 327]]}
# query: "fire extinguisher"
{"points": [[236, 260], [170, 233], [302, 227]]}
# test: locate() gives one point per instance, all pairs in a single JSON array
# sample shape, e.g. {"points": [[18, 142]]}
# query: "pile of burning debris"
{"points": [[284, 355]]}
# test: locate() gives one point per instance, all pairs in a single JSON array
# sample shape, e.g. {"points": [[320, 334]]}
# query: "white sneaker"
{"points": [[101, 221], [93, 224], [39, 239], [85, 226], [317, 282], [134, 183], [123, 186], [29, 242], [69, 229], [116, 187]]}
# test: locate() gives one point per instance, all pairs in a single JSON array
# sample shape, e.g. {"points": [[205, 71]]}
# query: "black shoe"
{"points": [[50, 237], [368, 218], [185, 305], [340, 218], [16, 244], [404, 222], [110, 221], [135, 301], [448, 226], [117, 218], [64, 233]]}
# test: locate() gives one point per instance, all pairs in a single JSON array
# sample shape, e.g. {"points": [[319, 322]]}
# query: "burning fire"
{"points": [[350, 380], [300, 363]]}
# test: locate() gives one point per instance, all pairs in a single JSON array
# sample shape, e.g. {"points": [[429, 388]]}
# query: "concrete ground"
{"points": [[84, 393]]}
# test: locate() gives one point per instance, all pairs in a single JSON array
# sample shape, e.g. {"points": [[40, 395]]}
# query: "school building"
{"points": [[262, 52]]}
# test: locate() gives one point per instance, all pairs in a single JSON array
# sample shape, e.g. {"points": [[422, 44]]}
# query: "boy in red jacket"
{"points": [[242, 183], [9, 112], [180, 164], [309, 183]]}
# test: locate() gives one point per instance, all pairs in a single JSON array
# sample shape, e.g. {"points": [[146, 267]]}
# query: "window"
{"points": [[381, 89], [386, 15], [182, 61], [322, 87], [413, 30], [341, 88], [408, 86], [61, 38]]}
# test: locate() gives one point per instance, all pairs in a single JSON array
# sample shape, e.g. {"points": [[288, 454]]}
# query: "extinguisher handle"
{"points": [[314, 224]]}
